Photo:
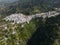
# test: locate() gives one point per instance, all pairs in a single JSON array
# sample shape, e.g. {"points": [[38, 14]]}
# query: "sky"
{"points": [[7, 0]]}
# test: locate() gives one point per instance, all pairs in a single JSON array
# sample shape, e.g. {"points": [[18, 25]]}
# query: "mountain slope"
{"points": [[29, 6]]}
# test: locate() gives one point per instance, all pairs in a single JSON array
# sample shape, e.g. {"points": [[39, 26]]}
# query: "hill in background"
{"points": [[29, 6]]}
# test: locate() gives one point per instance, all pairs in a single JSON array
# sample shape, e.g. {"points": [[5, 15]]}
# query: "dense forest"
{"points": [[29, 6], [47, 32]]}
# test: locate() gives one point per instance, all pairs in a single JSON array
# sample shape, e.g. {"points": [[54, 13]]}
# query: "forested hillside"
{"points": [[40, 31], [29, 6], [30, 22], [47, 33]]}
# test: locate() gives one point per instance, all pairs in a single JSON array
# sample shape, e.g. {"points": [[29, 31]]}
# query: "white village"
{"points": [[20, 18]]}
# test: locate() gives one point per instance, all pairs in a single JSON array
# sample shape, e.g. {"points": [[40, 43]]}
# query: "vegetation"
{"points": [[15, 34], [27, 7], [39, 31], [47, 33]]}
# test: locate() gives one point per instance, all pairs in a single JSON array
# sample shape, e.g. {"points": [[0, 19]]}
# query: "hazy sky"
{"points": [[7, 0]]}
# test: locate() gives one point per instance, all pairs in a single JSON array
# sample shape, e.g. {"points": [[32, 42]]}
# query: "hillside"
{"points": [[29, 6], [30, 22], [41, 31]]}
